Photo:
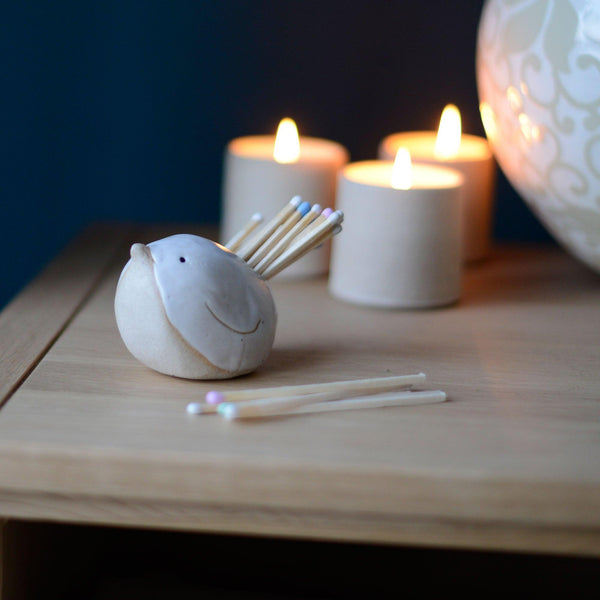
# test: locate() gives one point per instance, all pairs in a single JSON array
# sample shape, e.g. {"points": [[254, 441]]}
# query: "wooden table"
{"points": [[510, 463]]}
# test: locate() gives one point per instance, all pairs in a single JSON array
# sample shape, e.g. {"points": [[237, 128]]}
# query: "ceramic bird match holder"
{"points": [[189, 307]]}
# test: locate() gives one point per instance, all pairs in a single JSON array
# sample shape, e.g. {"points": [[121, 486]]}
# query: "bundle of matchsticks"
{"points": [[319, 397], [295, 230]]}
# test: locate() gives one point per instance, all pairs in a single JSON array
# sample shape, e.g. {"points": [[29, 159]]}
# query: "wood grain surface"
{"points": [[35, 318], [510, 462]]}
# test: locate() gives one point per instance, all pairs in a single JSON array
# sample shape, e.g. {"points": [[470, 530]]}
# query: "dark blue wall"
{"points": [[121, 109]]}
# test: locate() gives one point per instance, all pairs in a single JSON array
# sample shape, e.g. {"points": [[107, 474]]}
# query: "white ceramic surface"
{"points": [[538, 75], [186, 306]]}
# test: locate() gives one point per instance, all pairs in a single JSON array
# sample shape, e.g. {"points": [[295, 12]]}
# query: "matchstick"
{"points": [[200, 408], [371, 385], [320, 219], [302, 209], [236, 241], [377, 401], [285, 241], [272, 406], [307, 243], [248, 410], [267, 230], [316, 242]]}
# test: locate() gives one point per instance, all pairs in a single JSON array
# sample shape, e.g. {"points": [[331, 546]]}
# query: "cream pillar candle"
{"points": [[257, 181], [473, 158], [401, 248]]}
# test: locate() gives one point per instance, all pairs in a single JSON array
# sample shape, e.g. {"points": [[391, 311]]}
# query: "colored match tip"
{"points": [[214, 397], [303, 208], [316, 208], [228, 410], [327, 212], [256, 217], [296, 201], [337, 216], [194, 408]]}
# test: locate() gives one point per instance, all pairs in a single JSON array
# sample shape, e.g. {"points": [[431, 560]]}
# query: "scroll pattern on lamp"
{"points": [[538, 75]]}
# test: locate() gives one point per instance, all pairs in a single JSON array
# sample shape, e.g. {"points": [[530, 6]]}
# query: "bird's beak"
{"points": [[141, 251]]}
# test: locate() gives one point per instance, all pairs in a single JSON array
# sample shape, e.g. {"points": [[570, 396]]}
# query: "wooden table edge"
{"points": [[36, 317], [425, 531], [95, 488]]}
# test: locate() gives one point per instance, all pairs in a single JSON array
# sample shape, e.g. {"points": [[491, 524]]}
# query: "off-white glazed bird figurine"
{"points": [[189, 307]]}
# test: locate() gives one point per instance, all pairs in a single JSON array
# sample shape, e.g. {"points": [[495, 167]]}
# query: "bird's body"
{"points": [[188, 307]]}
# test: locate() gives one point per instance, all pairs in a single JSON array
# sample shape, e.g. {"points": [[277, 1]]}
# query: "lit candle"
{"points": [[469, 154], [401, 244], [263, 172]]}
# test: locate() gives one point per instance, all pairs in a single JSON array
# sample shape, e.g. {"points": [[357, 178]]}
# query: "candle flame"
{"points": [[287, 142], [449, 132], [401, 178]]}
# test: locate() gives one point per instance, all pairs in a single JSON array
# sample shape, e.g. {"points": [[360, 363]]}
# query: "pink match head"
{"points": [[327, 212], [214, 397]]}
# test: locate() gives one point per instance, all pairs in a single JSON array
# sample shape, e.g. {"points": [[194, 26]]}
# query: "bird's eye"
{"points": [[181, 259]]}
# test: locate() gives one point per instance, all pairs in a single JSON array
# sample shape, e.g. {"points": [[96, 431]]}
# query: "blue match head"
{"points": [[228, 410], [303, 208]]}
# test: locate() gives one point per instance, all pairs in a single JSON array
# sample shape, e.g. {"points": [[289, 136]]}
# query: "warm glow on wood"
{"points": [[287, 142], [401, 178], [448, 138]]}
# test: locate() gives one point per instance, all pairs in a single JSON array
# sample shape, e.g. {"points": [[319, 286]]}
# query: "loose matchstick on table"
{"points": [[306, 404], [372, 384], [352, 387], [265, 407], [377, 401]]}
